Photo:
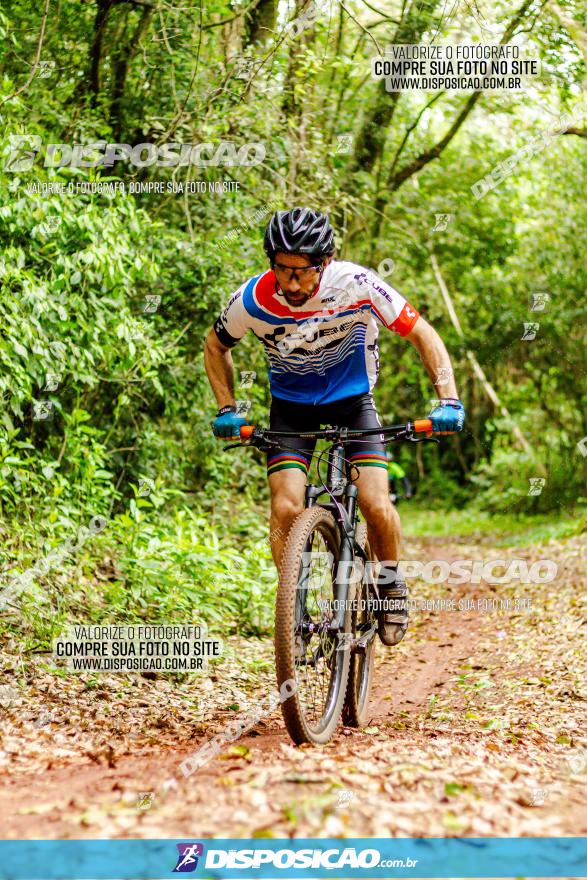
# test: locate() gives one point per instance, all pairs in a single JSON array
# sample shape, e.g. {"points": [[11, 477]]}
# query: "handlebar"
{"points": [[259, 436], [419, 426]]}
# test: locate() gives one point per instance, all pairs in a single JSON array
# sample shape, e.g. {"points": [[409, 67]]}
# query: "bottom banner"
{"points": [[300, 858]]}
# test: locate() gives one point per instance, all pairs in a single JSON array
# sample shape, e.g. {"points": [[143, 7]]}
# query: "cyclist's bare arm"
{"points": [[220, 369], [435, 357]]}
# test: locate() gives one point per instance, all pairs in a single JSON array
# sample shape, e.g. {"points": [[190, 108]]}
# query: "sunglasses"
{"points": [[287, 273]]}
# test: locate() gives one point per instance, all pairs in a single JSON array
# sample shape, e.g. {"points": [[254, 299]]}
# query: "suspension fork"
{"points": [[344, 569], [346, 517]]}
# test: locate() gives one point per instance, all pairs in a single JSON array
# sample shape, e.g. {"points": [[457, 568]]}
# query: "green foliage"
{"points": [[101, 397]]}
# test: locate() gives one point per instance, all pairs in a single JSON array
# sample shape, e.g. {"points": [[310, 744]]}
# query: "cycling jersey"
{"points": [[326, 349]]}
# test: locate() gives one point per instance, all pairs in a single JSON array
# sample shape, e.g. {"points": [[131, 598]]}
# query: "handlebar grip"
{"points": [[246, 431], [424, 425]]}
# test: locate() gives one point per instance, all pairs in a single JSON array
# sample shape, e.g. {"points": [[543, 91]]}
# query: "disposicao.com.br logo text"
{"points": [[330, 859]]}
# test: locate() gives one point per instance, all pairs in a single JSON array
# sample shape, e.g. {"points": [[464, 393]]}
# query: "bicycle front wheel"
{"points": [[307, 654]]}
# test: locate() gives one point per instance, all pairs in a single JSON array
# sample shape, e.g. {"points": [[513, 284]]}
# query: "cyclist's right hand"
{"points": [[227, 423]]}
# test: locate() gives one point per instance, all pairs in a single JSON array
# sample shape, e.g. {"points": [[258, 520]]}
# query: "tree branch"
{"points": [[580, 132], [410, 129], [378, 11], [434, 152], [397, 178], [363, 28], [242, 12], [135, 3], [104, 7], [37, 57]]}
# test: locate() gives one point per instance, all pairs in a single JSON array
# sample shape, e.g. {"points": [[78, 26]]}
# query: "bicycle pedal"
{"points": [[364, 641]]}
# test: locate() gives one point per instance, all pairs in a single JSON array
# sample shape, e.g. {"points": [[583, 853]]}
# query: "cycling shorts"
{"points": [[356, 412]]}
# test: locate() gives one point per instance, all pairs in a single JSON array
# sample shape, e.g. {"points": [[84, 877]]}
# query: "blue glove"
{"points": [[448, 417], [227, 424]]}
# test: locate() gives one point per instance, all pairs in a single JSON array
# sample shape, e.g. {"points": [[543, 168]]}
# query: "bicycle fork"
{"points": [[345, 513]]}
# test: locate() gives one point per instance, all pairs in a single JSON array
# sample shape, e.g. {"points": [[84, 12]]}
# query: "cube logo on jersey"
{"points": [[187, 860]]}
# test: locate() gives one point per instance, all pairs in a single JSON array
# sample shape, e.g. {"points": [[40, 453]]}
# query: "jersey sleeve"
{"points": [[389, 306], [233, 322]]}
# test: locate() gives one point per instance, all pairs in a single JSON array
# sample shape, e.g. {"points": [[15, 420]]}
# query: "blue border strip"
{"points": [[433, 857]]}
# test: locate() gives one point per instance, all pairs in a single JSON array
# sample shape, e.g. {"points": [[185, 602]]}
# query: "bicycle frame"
{"points": [[338, 484]]}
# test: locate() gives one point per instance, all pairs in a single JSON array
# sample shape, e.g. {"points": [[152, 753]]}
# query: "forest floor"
{"points": [[477, 728]]}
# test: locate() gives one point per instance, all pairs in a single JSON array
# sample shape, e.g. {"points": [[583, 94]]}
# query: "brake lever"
{"points": [[409, 435], [265, 445], [413, 439], [401, 435]]}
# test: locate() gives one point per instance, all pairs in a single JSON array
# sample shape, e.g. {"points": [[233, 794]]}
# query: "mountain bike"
{"points": [[325, 612]]}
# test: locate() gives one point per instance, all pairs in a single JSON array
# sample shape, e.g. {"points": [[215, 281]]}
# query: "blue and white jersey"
{"points": [[326, 349]]}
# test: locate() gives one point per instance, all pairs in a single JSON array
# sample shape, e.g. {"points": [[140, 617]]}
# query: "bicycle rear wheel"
{"points": [[306, 652], [362, 661]]}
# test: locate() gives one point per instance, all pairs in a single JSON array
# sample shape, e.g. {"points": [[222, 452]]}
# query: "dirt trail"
{"points": [[475, 730]]}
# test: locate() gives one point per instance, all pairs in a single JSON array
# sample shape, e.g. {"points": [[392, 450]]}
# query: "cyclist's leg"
{"points": [[383, 522], [287, 470], [287, 501]]}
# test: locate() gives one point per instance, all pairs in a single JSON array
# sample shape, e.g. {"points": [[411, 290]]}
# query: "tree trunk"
{"points": [[104, 7], [373, 133], [120, 71], [260, 25]]}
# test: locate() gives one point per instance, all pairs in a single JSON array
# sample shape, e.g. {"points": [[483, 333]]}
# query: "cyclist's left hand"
{"points": [[449, 417], [227, 424]]}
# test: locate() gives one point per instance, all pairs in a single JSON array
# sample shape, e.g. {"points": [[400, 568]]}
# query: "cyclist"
{"points": [[396, 473], [318, 319]]}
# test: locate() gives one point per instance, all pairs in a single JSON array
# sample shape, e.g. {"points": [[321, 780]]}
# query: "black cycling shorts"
{"points": [[352, 412]]}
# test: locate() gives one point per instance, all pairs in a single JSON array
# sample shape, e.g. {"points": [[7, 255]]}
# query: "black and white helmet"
{"points": [[299, 231]]}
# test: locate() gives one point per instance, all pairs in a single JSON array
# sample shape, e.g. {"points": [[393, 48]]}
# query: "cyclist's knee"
{"points": [[285, 507], [378, 508]]}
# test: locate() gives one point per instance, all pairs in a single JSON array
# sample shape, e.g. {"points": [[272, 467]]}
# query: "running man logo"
{"points": [[152, 303], [443, 376], [539, 301], [536, 485], [42, 410], [442, 221], [345, 144], [46, 68], [52, 381], [187, 860], [530, 331]]}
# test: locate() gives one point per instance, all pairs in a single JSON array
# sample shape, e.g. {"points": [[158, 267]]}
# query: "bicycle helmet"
{"points": [[299, 231]]}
